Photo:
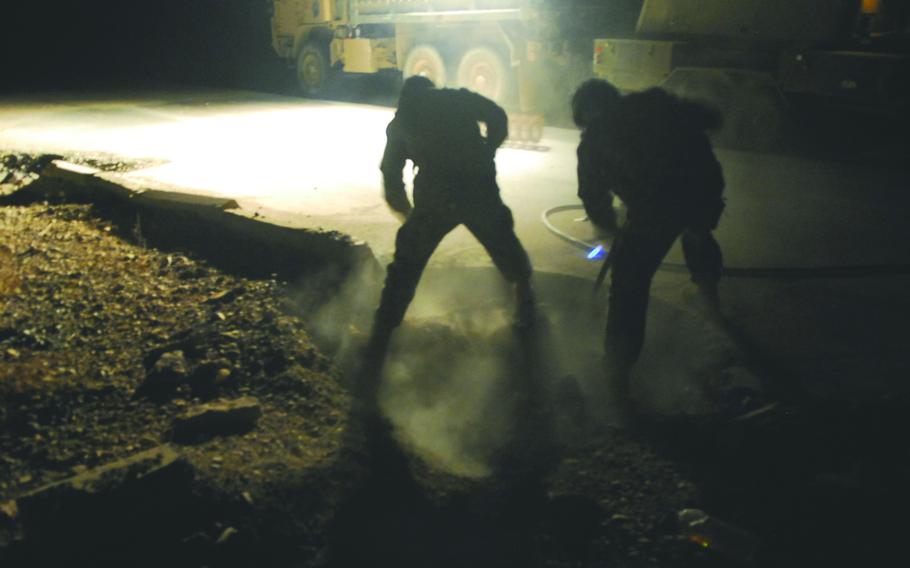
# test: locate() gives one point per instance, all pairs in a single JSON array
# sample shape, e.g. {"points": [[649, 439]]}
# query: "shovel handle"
{"points": [[602, 275]]}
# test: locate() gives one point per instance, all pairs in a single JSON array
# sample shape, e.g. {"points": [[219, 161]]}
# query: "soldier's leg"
{"points": [[417, 238], [492, 224], [637, 254], [705, 262]]}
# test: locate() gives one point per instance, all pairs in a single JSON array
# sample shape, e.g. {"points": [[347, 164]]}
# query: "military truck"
{"points": [[508, 50], [326, 37], [760, 61]]}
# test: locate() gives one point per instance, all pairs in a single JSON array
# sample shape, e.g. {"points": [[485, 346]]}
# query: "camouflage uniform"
{"points": [[651, 150], [437, 129]]}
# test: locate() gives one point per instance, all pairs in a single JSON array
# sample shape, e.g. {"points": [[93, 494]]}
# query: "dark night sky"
{"points": [[100, 43], [52, 44]]}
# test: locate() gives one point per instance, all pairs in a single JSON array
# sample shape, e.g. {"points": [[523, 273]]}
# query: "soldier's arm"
{"points": [[393, 161], [492, 115], [593, 187]]}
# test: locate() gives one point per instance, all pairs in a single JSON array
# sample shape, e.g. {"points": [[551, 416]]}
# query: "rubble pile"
{"points": [[17, 170], [155, 410], [109, 350], [153, 402]]}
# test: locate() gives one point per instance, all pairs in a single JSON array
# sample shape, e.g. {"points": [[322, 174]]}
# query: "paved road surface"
{"points": [[316, 163], [304, 163]]}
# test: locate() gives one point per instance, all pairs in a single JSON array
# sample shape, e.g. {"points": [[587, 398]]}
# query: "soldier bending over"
{"points": [[437, 129], [651, 150]]}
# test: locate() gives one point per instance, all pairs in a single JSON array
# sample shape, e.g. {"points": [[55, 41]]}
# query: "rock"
{"points": [[222, 375], [224, 296], [620, 518], [97, 480], [168, 371], [139, 501], [248, 497], [9, 511], [217, 418], [293, 379], [215, 373], [38, 164], [226, 535], [117, 484]]}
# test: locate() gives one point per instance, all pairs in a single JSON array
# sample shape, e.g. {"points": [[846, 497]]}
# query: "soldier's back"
{"points": [[443, 135]]}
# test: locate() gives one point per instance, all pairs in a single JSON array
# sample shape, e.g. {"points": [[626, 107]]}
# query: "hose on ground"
{"points": [[846, 271]]}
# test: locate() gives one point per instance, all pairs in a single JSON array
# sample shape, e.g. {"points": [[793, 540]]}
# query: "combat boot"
{"points": [[704, 298]]}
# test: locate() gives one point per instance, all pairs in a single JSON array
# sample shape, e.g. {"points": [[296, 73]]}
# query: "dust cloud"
{"points": [[460, 382]]}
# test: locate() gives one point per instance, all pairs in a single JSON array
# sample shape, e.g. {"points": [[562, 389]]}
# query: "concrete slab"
{"points": [[207, 226]]}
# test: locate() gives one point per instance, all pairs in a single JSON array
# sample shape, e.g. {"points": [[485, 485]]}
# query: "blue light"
{"points": [[596, 252]]}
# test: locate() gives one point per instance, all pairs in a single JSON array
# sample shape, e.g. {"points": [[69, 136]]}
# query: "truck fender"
{"points": [[310, 33]]}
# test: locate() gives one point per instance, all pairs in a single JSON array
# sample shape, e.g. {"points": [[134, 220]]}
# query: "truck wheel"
{"points": [[425, 60], [314, 73], [483, 70]]}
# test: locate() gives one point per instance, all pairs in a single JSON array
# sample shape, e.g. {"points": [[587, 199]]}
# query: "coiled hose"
{"points": [[854, 271]]}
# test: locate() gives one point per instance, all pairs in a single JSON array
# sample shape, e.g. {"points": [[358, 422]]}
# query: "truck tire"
{"points": [[314, 70], [485, 71], [425, 60]]}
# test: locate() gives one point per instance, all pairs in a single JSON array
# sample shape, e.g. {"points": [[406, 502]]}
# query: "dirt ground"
{"points": [[110, 349]]}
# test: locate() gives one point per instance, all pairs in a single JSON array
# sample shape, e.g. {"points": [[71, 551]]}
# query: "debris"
{"points": [[214, 373], [222, 375], [55, 508], [226, 535], [217, 418], [9, 510], [115, 501], [42, 161], [168, 371], [79, 334], [758, 412], [224, 296], [713, 534], [115, 473], [248, 497]]}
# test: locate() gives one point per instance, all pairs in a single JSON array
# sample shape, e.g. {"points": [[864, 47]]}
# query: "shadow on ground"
{"points": [[502, 430], [482, 417]]}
